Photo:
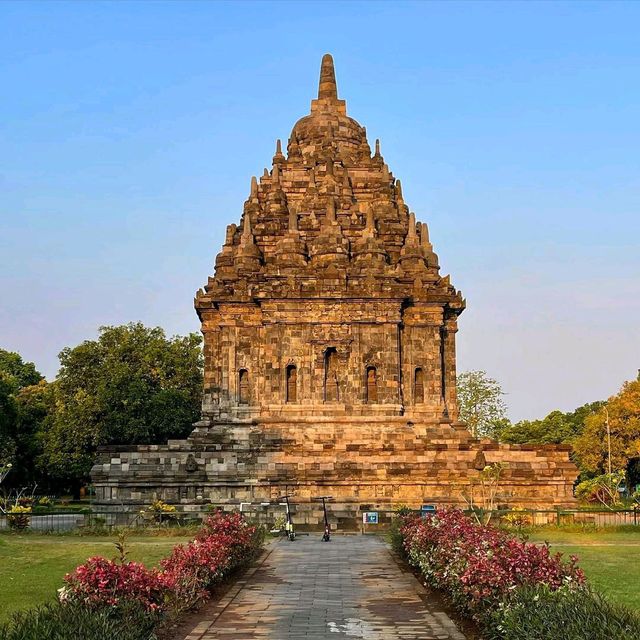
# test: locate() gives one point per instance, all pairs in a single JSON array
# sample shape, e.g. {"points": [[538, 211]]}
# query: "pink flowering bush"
{"points": [[225, 542], [104, 583], [235, 533], [478, 566], [194, 568]]}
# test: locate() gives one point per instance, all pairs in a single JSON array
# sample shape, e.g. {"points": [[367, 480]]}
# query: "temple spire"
{"points": [[327, 87]]}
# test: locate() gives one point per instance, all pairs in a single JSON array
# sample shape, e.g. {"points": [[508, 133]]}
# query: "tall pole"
{"points": [[606, 414]]}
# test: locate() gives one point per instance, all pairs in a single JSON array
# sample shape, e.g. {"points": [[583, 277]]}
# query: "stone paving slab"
{"points": [[351, 587]]}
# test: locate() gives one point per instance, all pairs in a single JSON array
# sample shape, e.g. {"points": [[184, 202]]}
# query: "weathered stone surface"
{"points": [[329, 343]]}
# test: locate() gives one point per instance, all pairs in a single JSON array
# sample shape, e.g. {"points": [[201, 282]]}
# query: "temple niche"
{"points": [[329, 343]]}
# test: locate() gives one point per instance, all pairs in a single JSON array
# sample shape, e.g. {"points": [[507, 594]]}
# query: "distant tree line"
{"points": [[131, 385], [585, 429]]}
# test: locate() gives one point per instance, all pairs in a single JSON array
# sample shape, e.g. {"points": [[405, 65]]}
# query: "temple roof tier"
{"points": [[329, 207]]}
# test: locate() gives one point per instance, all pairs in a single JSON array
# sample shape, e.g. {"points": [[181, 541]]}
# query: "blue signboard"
{"points": [[370, 517], [427, 510]]}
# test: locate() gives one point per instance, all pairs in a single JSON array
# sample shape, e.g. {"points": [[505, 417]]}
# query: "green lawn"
{"points": [[32, 566], [610, 559]]}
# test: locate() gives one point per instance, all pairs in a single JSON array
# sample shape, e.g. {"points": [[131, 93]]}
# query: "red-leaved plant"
{"points": [[478, 566], [104, 583], [224, 542], [186, 577]]}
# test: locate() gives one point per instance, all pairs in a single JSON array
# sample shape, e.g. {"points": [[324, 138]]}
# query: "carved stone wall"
{"points": [[329, 343]]}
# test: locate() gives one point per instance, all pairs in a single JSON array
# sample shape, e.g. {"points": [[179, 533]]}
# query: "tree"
{"points": [[604, 489], [19, 373], [623, 412], [555, 428], [131, 385], [481, 404], [15, 376], [7, 419], [34, 408]]}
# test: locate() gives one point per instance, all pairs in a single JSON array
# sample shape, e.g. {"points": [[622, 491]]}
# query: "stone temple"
{"points": [[329, 342]]}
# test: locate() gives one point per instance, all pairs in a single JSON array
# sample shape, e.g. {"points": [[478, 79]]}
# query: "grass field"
{"points": [[32, 566], [610, 559]]}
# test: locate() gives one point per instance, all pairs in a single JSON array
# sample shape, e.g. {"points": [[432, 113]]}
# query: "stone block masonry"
{"points": [[329, 343]]}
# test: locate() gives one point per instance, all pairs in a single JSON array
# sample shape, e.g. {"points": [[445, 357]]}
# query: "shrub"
{"points": [[602, 489], [479, 566], [233, 531], [194, 568], [517, 518], [224, 542], [74, 622], [563, 614], [160, 511], [104, 599], [104, 583], [19, 517]]}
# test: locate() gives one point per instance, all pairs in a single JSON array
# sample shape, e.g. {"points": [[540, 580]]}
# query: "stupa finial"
{"points": [[412, 235], [424, 235], [247, 235], [327, 87]]}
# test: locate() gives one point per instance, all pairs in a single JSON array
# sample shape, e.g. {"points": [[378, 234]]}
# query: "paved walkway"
{"points": [[351, 587]]}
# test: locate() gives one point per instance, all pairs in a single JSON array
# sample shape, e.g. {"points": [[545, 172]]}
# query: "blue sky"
{"points": [[129, 133]]}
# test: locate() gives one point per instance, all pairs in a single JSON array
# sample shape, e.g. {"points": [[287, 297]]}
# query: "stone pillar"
{"points": [[448, 351]]}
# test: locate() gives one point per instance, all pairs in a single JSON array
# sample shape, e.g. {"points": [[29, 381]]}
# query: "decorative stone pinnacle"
{"points": [[327, 88], [329, 166], [424, 235], [276, 174], [246, 228], [293, 220], [411, 235], [331, 211], [398, 189], [278, 147], [370, 224], [377, 153], [254, 187]]}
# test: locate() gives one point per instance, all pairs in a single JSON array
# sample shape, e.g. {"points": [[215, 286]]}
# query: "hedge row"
{"points": [[104, 599], [514, 590]]}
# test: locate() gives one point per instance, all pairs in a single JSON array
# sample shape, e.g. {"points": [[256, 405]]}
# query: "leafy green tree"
{"points": [[480, 402], [15, 376], [7, 420], [555, 428], [34, 408], [19, 373], [622, 412], [131, 385]]}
